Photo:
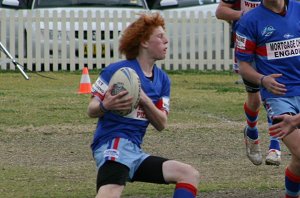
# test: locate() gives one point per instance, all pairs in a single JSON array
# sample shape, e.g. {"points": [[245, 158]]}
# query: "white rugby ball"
{"points": [[126, 78]]}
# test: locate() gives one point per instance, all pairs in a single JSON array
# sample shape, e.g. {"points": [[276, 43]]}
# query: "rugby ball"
{"points": [[127, 79]]}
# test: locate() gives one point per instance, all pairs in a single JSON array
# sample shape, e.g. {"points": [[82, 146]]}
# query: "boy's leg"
{"points": [[251, 109], [292, 184], [292, 173], [185, 176], [274, 153], [279, 106], [162, 171], [111, 179]]}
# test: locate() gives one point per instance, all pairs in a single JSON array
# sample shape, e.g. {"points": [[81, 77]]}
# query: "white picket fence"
{"points": [[52, 41]]}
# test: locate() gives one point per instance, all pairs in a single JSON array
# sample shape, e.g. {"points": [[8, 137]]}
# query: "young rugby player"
{"points": [[118, 139], [274, 45]]}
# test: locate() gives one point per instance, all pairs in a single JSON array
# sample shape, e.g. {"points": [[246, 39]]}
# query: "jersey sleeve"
{"points": [[164, 101], [100, 86], [245, 42]]}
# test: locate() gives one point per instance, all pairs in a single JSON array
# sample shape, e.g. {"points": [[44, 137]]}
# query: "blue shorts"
{"points": [[122, 151], [278, 106]]}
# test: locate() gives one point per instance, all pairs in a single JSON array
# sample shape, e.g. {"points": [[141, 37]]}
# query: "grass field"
{"points": [[45, 138]]}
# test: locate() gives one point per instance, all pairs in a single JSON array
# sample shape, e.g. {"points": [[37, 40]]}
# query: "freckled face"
{"points": [[157, 44]]}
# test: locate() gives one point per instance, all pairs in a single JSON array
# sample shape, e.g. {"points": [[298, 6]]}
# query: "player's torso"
{"points": [[154, 89], [279, 36], [278, 47], [132, 126]]}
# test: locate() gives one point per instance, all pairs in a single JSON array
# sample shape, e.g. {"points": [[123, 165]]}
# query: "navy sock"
{"points": [[252, 117], [292, 184], [184, 190], [274, 143]]}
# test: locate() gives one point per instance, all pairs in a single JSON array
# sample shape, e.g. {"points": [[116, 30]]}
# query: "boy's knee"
{"points": [[192, 175]]}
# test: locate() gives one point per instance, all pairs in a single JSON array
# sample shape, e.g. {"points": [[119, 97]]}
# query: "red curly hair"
{"points": [[138, 32]]}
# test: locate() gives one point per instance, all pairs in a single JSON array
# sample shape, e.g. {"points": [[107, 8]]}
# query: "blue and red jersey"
{"points": [[245, 6], [132, 126], [272, 42]]}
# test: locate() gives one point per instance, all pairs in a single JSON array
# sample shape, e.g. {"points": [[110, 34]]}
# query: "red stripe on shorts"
{"points": [[115, 146]]}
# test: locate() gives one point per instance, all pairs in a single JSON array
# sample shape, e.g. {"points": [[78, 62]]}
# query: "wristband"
{"points": [[261, 81], [102, 108]]}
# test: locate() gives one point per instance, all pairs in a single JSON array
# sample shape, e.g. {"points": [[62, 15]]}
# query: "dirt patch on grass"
{"points": [[275, 193], [216, 149]]}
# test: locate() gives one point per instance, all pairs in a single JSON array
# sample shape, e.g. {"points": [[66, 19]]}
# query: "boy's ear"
{"points": [[144, 44]]}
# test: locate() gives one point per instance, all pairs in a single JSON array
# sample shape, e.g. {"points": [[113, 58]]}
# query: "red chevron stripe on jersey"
{"points": [[261, 51]]}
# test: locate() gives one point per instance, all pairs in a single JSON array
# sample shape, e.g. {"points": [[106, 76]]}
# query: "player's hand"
{"points": [[270, 83], [118, 101], [283, 128]]}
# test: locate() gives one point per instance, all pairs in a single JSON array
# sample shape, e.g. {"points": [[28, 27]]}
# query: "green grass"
{"points": [[45, 137]]}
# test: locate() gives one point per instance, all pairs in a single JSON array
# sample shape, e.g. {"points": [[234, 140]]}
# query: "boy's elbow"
{"points": [[90, 113], [162, 126], [217, 14]]}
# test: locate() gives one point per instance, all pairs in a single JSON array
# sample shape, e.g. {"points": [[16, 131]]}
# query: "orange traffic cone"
{"points": [[85, 82]]}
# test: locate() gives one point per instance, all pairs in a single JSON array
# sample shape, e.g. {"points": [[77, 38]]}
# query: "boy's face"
{"points": [[157, 44]]}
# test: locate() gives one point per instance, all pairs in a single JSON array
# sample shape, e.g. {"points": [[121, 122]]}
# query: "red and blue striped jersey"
{"points": [[132, 126], [272, 42]]}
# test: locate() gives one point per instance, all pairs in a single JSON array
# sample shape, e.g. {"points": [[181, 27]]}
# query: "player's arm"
{"points": [[249, 73], [156, 117], [226, 12], [245, 53], [269, 81], [94, 109]]}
